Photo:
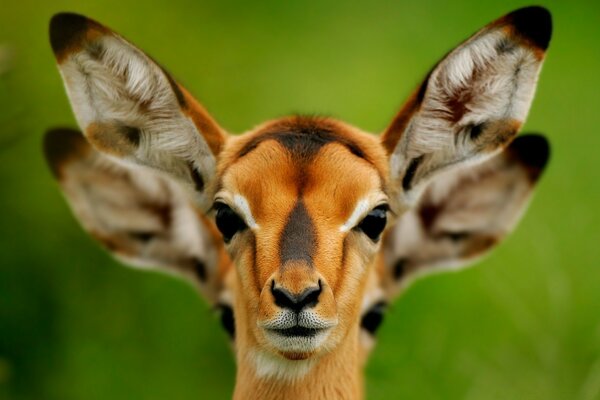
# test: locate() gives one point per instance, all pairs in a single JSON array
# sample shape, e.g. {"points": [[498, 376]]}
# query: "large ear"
{"points": [[130, 108], [463, 214], [140, 216], [471, 104]]}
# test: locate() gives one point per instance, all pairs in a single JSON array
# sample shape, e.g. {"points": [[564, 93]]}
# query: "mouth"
{"points": [[297, 331], [297, 342]]}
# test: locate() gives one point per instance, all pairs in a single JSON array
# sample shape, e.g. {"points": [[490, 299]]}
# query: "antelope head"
{"points": [[302, 229]]}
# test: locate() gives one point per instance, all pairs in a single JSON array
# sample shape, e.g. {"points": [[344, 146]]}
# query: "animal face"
{"points": [[303, 229], [302, 240]]}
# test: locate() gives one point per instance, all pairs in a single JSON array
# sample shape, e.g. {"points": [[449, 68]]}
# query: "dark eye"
{"points": [[228, 222], [227, 320], [374, 223], [373, 318]]}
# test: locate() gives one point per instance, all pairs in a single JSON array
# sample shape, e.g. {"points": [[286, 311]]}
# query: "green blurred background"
{"points": [[524, 324]]}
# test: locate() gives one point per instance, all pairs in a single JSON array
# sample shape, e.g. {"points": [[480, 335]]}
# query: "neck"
{"points": [[336, 375]]}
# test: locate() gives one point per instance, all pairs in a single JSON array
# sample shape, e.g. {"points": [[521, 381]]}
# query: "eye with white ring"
{"points": [[228, 221], [374, 222]]}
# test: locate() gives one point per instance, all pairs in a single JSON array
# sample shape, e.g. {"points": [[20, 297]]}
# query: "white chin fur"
{"points": [[269, 365]]}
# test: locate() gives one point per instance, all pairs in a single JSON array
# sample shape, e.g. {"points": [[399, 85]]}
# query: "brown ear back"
{"points": [[130, 108], [472, 103]]}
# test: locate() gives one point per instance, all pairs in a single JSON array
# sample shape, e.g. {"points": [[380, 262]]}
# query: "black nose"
{"points": [[284, 299]]}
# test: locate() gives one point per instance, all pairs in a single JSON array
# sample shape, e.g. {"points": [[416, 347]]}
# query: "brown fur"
{"points": [[301, 187], [214, 134]]}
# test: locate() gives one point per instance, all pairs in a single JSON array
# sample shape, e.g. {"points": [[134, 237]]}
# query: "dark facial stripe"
{"points": [[298, 239]]}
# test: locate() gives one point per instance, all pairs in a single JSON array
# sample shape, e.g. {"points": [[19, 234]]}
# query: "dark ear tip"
{"points": [[534, 23], [533, 150], [66, 29], [60, 144]]}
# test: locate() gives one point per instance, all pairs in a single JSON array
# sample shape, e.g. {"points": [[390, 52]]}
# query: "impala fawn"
{"points": [[302, 229]]}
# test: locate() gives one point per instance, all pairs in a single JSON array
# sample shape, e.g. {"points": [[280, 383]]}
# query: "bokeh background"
{"points": [[523, 324]]}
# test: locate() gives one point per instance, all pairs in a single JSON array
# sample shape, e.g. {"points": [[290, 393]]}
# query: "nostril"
{"points": [[284, 299], [310, 297]]}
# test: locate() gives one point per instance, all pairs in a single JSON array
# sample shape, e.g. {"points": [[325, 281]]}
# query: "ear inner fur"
{"points": [[139, 216], [463, 214], [129, 107], [473, 102]]}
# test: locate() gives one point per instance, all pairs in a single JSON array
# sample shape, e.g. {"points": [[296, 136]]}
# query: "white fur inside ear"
{"points": [[111, 83], [111, 79], [461, 217], [479, 87], [117, 203]]}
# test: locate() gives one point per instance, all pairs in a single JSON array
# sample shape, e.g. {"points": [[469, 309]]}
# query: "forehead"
{"points": [[324, 162]]}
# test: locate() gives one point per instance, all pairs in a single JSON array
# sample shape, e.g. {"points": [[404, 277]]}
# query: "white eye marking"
{"points": [[361, 208], [242, 206]]}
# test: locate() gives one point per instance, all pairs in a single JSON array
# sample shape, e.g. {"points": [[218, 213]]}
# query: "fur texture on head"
{"points": [[303, 229]]}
